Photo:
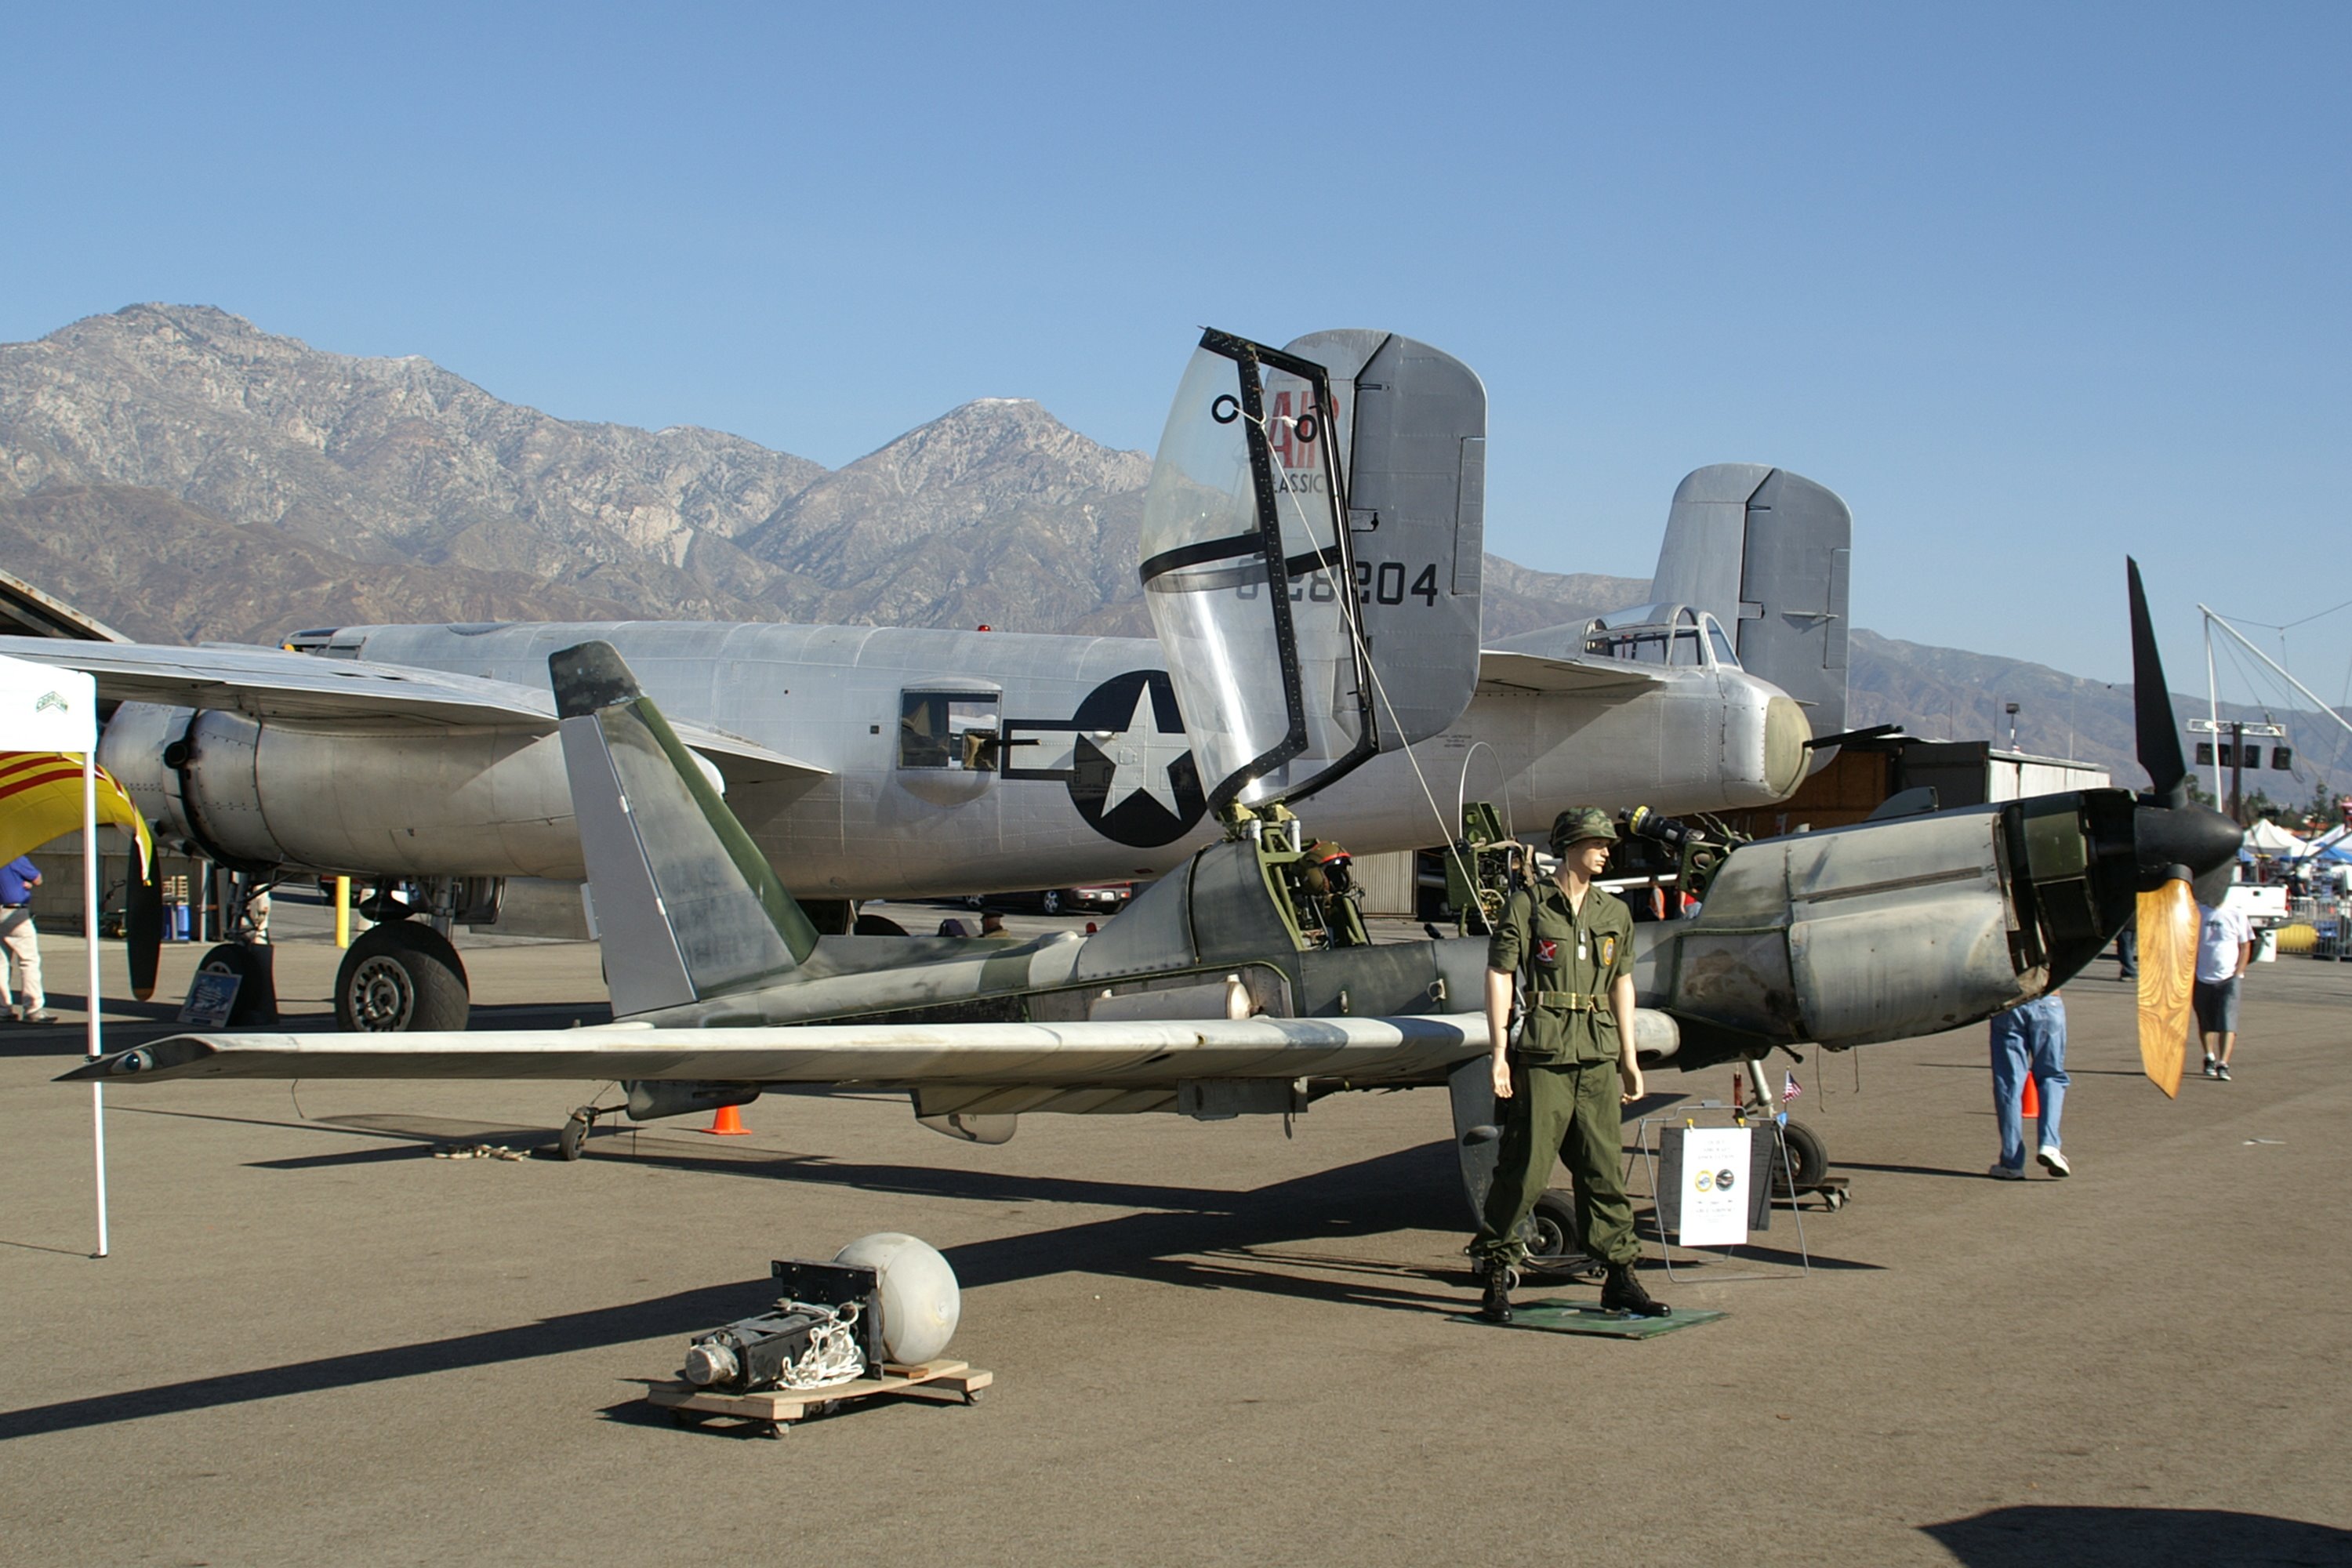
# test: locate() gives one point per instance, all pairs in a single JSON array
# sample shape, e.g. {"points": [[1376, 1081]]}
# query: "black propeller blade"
{"points": [[2159, 731], [2172, 837], [142, 923]]}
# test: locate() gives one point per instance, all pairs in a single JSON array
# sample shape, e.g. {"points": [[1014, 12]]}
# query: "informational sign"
{"points": [[1714, 1194], [210, 996], [45, 710]]}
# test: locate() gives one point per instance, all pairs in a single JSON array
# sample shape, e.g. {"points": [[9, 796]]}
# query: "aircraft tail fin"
{"points": [[1766, 553], [687, 906], [1414, 419]]}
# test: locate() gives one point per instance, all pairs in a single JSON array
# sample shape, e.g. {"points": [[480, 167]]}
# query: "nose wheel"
{"points": [[574, 1134]]}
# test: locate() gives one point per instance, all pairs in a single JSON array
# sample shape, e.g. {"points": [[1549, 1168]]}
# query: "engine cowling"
{"points": [[331, 797]]}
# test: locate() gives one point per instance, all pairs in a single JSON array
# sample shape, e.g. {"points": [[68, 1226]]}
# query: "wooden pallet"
{"points": [[776, 1409]]}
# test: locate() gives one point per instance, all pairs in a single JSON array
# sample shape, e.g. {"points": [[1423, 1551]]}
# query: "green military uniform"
{"points": [[1564, 1071]]}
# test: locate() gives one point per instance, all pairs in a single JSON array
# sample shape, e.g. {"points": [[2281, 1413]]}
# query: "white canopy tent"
{"points": [[2308, 849], [46, 709], [2267, 837]]}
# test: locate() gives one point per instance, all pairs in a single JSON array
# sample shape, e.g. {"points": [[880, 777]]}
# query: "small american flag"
{"points": [[1789, 1089]]}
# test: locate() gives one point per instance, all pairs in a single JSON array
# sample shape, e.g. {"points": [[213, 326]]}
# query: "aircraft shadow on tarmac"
{"points": [[654, 1317], [1413, 1189], [1197, 1238], [2137, 1538]]}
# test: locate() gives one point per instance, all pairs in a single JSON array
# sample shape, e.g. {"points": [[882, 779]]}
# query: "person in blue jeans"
{"points": [[2029, 1038]]}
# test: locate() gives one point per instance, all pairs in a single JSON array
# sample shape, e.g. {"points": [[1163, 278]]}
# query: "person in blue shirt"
{"points": [[17, 880]]}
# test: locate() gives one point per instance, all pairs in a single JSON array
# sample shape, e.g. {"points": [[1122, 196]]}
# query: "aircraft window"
{"points": [[952, 729]]}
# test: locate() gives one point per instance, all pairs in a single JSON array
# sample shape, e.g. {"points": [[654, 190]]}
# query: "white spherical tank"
{"points": [[920, 1303]]}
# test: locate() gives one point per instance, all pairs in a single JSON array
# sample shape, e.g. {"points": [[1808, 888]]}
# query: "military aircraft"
{"points": [[1235, 984], [870, 761]]}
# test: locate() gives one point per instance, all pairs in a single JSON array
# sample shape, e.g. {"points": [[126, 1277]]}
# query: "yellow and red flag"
{"points": [[40, 799]]}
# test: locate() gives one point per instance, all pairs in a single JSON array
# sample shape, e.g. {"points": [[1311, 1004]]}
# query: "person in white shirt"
{"points": [[2225, 945]]}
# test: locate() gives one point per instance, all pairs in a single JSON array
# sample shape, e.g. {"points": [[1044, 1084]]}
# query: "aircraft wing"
{"points": [[1503, 671], [270, 683], [1124, 1054]]}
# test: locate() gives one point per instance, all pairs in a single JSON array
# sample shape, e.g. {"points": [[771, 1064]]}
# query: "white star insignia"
{"points": [[1140, 756]]}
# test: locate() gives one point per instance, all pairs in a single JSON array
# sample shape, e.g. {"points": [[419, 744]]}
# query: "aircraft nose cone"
{"points": [[1786, 730], [2196, 837]]}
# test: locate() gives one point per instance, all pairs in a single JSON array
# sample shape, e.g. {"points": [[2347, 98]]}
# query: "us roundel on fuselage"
{"points": [[1124, 757]]}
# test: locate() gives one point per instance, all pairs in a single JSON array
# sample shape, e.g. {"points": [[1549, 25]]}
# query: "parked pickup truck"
{"points": [[2262, 903]]}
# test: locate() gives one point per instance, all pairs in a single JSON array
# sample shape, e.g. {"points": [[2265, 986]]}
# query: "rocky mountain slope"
{"points": [[185, 476]]}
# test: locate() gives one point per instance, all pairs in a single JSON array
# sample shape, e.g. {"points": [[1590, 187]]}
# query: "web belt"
{"points": [[1570, 1001]]}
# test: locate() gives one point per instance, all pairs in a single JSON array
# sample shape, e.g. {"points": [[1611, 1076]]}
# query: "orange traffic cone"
{"points": [[2029, 1104], [727, 1124]]}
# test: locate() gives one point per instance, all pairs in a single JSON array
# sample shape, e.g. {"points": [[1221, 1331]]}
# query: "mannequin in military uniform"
{"points": [[1561, 1085]]}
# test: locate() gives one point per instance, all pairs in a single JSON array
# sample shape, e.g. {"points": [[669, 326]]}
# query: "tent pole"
{"points": [[90, 945]]}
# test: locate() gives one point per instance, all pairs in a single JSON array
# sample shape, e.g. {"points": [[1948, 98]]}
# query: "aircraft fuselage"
{"points": [[1080, 768]]}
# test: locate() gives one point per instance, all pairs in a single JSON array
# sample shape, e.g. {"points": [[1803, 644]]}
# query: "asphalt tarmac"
{"points": [[1212, 1342]]}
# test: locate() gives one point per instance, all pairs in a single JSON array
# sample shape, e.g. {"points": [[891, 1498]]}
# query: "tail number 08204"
{"points": [[1385, 584]]}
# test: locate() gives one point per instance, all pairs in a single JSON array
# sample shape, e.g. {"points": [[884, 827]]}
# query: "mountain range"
{"points": [[184, 476]]}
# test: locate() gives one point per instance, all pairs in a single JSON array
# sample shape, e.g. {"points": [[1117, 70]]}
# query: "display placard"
{"points": [[1713, 1210], [211, 997]]}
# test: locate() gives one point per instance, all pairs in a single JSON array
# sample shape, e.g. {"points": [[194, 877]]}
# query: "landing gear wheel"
{"points": [[401, 978], [879, 925], [253, 1003], [574, 1134], [1552, 1246], [1808, 1162]]}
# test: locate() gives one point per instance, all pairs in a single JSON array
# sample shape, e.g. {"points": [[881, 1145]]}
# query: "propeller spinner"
{"points": [[2183, 851]]}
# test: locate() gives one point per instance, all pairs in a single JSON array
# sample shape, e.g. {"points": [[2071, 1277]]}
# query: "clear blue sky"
{"points": [[2028, 286]]}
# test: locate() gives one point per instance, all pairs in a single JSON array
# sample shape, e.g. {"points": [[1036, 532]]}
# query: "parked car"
{"points": [[1095, 898]]}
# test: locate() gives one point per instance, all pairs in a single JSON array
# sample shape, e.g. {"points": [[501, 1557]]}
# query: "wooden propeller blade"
{"points": [[2168, 965]]}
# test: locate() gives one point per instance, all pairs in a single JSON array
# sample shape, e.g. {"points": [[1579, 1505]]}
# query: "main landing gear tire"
{"points": [[401, 978], [1552, 1246], [1808, 1162], [879, 925], [253, 1003]]}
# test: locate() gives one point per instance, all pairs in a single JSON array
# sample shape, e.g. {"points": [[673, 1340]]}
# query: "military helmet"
{"points": [[1580, 823]]}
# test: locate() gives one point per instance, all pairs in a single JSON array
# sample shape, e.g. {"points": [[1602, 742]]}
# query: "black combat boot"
{"points": [[1495, 1306], [1621, 1292]]}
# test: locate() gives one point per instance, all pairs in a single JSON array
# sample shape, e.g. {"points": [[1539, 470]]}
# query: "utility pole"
{"points": [[2237, 769]]}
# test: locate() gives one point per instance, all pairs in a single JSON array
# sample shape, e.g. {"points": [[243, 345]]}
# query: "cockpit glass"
{"points": [[1656, 634]]}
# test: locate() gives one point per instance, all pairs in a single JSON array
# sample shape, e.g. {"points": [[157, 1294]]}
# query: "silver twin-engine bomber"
{"points": [[869, 761]]}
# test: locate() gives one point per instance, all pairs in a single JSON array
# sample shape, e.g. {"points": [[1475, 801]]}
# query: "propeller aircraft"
{"points": [[870, 761], [1236, 984]]}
